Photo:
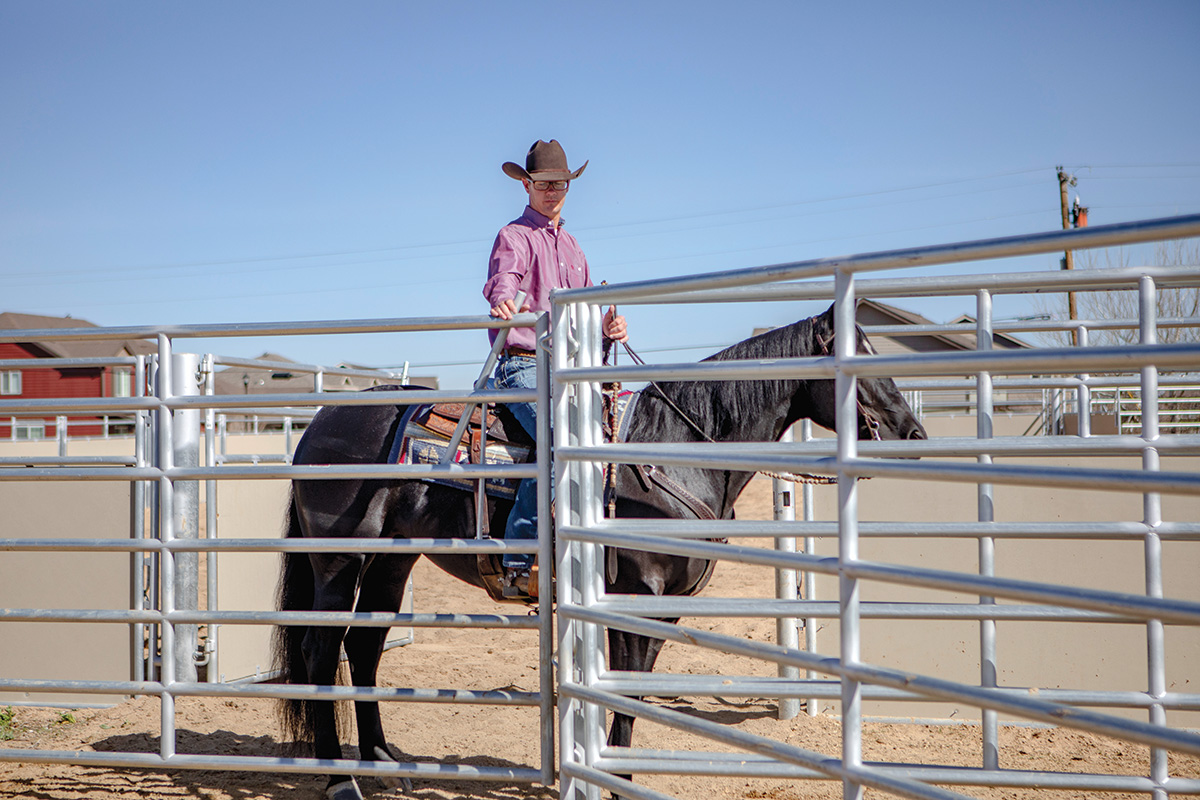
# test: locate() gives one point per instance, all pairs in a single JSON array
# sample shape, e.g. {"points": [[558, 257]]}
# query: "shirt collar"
{"points": [[539, 219]]}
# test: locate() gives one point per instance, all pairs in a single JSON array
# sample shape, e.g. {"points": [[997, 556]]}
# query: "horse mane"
{"points": [[721, 407]]}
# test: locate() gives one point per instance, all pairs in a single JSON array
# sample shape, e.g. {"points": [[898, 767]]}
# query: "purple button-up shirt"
{"points": [[530, 253]]}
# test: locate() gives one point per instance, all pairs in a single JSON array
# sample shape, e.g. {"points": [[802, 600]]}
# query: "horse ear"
{"points": [[823, 330], [828, 313]]}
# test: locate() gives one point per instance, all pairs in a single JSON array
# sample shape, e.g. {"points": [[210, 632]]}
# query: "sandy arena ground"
{"points": [[482, 735]]}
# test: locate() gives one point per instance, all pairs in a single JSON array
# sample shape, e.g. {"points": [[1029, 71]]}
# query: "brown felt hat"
{"points": [[546, 162]]}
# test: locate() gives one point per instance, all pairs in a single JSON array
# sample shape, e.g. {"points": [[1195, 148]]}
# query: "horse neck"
{"points": [[752, 410], [730, 411]]}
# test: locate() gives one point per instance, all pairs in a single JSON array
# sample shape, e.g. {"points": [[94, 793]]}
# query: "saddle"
{"points": [[423, 437], [502, 428]]}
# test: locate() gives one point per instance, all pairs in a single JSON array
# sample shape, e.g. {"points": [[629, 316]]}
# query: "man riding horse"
{"points": [[535, 255]]}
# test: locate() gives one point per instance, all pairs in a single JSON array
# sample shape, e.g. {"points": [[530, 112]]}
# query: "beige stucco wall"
{"points": [[1108, 656], [248, 581], [64, 650], [245, 581], [1042, 654]]}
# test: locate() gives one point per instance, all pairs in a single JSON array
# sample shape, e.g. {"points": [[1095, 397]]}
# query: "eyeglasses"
{"points": [[545, 186]]}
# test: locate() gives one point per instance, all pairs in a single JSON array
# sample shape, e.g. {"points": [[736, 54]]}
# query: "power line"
{"points": [[830, 199], [813, 213], [469, 246], [39, 279], [1135, 166], [932, 226], [487, 241], [473, 279], [261, 259]]}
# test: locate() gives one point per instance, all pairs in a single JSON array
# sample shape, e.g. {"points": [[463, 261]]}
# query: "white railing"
{"points": [[588, 689], [585, 688], [167, 468]]}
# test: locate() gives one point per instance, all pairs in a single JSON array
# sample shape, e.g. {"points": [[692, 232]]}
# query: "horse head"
{"points": [[883, 413]]}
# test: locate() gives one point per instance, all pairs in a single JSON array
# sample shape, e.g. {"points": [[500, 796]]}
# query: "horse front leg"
{"points": [[636, 653]]}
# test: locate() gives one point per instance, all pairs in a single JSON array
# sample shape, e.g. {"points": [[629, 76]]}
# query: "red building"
{"points": [[29, 382]]}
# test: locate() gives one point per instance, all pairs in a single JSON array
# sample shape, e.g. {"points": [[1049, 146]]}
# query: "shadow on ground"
{"points": [[78, 783]]}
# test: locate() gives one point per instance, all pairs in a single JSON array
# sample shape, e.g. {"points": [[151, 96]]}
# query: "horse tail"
{"points": [[295, 593]]}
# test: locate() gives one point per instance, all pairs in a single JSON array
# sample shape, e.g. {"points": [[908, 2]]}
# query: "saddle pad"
{"points": [[625, 403], [418, 444]]}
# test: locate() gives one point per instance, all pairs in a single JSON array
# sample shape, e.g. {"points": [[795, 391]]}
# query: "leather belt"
{"points": [[519, 351]]}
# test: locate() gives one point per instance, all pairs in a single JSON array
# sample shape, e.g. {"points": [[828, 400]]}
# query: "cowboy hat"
{"points": [[546, 161]]}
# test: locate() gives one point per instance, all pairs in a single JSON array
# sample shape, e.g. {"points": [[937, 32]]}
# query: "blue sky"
{"points": [[242, 162]]}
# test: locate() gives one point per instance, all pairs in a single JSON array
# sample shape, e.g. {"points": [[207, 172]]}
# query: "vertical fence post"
{"points": [[591, 490], [211, 642], [1152, 515], [786, 629], [846, 390], [984, 429], [185, 446], [137, 529], [1083, 393], [156, 420], [809, 583], [566, 504], [164, 459], [545, 531]]}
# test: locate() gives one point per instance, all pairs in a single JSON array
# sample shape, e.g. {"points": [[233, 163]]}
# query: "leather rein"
{"points": [[649, 473]]}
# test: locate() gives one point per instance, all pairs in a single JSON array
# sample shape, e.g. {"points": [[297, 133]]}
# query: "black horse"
{"points": [[733, 411]]}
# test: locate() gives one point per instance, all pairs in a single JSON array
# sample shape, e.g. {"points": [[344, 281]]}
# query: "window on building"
{"points": [[10, 382], [28, 431], [122, 383]]}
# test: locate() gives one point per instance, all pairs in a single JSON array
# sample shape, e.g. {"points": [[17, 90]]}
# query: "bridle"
{"points": [[870, 418], [872, 421]]}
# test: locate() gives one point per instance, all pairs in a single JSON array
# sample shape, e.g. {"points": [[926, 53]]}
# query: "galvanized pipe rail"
{"points": [[802, 287], [166, 617], [586, 688], [727, 281]]}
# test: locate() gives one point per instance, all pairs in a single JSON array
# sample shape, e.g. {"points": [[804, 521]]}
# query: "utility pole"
{"points": [[1068, 262]]}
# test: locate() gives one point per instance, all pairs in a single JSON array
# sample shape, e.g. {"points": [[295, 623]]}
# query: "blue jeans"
{"points": [[520, 372]]}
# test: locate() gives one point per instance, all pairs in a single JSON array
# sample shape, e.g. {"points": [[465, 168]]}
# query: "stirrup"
{"points": [[515, 584]]}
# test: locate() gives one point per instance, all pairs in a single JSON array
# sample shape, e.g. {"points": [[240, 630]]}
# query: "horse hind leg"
{"points": [[382, 589], [322, 649], [336, 585]]}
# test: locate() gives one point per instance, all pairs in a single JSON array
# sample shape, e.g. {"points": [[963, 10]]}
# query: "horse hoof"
{"points": [[346, 790], [387, 780]]}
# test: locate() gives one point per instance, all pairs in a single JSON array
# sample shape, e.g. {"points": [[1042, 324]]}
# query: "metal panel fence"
{"points": [[587, 689], [158, 468]]}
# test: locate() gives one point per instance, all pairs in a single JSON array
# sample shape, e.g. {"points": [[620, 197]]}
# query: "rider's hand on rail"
{"points": [[614, 326], [507, 309]]}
